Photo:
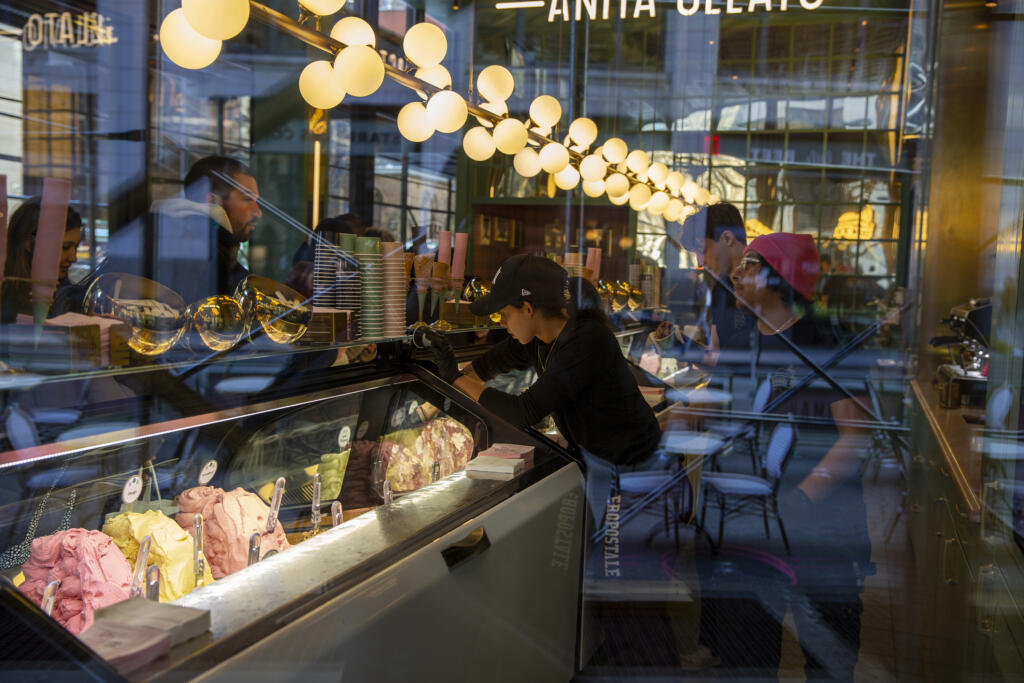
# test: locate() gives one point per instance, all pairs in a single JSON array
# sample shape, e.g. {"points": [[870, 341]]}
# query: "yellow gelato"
{"points": [[332, 474], [170, 549]]}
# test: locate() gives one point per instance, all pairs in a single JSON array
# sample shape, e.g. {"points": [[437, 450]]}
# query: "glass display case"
{"points": [[415, 540]]}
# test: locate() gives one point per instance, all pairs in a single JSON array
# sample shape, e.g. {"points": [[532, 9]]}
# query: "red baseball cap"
{"points": [[793, 256]]}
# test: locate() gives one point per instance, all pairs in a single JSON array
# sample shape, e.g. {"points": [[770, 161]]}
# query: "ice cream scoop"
{"points": [[170, 549], [91, 570], [231, 518]]}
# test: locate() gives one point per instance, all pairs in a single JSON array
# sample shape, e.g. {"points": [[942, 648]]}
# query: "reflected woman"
{"points": [[21, 243]]}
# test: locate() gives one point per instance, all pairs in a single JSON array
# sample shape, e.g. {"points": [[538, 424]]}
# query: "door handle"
{"points": [[465, 550]]}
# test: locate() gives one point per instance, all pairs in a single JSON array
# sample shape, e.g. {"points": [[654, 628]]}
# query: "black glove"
{"points": [[427, 338]]}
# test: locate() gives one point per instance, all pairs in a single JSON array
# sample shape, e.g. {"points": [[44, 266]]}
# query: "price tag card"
{"points": [[132, 489], [363, 426], [206, 474], [344, 437]]}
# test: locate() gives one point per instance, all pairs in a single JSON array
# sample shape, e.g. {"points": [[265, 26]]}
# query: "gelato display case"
{"points": [[349, 531]]}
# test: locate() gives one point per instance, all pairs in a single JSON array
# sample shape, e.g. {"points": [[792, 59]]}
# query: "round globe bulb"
{"points": [[651, 211], [703, 196], [637, 161], [639, 196], [354, 31], [319, 86], [183, 45], [495, 83], [583, 131], [567, 178], [447, 111], [359, 70], [615, 150], [593, 167], [617, 185], [527, 163], [659, 200], [593, 188], [425, 45], [324, 8], [413, 123], [217, 19], [714, 199], [619, 200], [689, 191], [545, 111], [658, 173], [478, 144], [674, 209], [436, 76], [510, 136], [674, 181], [554, 157]]}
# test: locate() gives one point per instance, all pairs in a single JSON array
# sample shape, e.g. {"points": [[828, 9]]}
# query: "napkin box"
{"points": [[494, 467], [511, 451]]}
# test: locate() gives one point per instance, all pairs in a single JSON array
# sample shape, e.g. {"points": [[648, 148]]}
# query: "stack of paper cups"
{"points": [[371, 270], [395, 287], [459, 263], [326, 260], [594, 263], [348, 295], [635, 273], [573, 263]]}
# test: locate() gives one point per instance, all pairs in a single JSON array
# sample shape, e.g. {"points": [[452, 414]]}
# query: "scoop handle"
{"points": [[254, 548], [198, 561], [315, 511], [153, 583], [139, 575], [49, 596], [275, 505]]}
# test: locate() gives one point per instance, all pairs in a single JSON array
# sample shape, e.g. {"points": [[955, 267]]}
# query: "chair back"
{"points": [[764, 392], [999, 408], [779, 447]]}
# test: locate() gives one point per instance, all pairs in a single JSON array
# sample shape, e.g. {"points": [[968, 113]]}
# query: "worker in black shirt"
{"points": [[583, 379]]}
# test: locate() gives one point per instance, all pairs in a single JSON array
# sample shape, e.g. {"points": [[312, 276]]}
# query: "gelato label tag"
{"points": [[206, 474], [344, 436], [396, 419], [363, 426], [132, 489], [413, 406]]}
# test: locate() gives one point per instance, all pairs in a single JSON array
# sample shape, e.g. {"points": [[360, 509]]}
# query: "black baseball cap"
{"points": [[524, 277]]}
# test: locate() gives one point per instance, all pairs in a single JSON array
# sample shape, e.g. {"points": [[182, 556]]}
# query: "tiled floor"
{"points": [[644, 640]]}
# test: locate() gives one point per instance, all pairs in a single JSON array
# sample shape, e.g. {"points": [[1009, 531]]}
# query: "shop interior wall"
{"points": [[962, 210]]}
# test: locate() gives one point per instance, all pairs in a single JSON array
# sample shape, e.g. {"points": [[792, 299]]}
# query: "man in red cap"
{"points": [[775, 279], [819, 498]]}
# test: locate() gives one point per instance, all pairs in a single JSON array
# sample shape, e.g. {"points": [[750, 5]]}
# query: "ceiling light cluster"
{"points": [[192, 36]]}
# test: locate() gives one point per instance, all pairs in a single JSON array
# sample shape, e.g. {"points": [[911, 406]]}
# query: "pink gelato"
{"points": [[92, 573], [229, 519]]}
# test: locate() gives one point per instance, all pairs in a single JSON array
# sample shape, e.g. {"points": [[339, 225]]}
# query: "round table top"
{"points": [[705, 397]]}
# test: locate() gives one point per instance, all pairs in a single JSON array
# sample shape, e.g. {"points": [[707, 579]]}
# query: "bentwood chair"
{"points": [[746, 488], [732, 432]]}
